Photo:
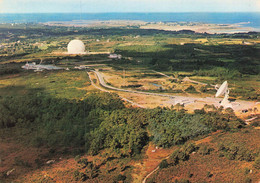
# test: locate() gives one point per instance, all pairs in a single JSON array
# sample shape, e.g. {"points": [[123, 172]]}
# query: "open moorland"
{"points": [[150, 116]]}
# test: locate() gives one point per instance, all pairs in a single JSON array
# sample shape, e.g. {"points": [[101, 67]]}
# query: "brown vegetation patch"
{"points": [[19, 157], [213, 167]]}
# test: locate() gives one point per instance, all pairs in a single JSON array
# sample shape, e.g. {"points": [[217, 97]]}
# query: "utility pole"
{"points": [[124, 76]]}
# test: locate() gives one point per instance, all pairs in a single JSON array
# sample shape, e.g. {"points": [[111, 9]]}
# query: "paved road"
{"points": [[186, 100], [197, 82], [125, 99], [103, 83], [176, 99], [162, 74]]}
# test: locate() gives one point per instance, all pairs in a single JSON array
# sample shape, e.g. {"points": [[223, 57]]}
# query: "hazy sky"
{"points": [[90, 6]]}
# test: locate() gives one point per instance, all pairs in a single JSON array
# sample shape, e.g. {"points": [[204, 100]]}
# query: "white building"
{"points": [[80, 67], [76, 47], [115, 56]]}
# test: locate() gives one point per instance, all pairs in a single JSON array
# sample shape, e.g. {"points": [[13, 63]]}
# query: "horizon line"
{"points": [[126, 12]]}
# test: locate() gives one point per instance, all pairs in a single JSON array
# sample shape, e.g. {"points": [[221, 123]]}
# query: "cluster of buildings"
{"points": [[75, 47]]}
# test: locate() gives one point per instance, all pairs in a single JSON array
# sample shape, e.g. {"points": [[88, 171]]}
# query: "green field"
{"points": [[60, 84]]}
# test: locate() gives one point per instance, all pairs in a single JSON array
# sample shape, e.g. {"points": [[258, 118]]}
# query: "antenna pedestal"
{"points": [[225, 102]]}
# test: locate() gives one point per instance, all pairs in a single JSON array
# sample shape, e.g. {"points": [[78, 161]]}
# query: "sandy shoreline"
{"points": [[167, 26]]}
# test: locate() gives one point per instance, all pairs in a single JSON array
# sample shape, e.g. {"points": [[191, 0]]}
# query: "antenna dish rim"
{"points": [[222, 89]]}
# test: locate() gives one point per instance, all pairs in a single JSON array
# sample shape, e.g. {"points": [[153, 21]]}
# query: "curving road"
{"points": [[125, 99], [103, 83]]}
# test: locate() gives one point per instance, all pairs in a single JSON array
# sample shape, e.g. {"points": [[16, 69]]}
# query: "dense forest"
{"points": [[101, 121]]}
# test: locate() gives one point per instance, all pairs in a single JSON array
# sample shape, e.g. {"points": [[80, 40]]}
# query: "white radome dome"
{"points": [[76, 47]]}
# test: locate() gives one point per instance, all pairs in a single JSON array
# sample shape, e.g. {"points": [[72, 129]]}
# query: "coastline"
{"points": [[197, 27]]}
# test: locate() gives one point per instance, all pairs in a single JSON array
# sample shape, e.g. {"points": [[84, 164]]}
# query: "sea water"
{"points": [[248, 19]]}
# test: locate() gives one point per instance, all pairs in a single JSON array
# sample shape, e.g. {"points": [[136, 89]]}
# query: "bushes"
{"points": [[91, 170], [246, 93], [219, 72], [236, 152], [209, 174], [105, 101], [19, 162], [205, 150], [189, 148], [182, 154], [163, 164], [11, 68], [121, 131], [255, 123], [181, 181], [79, 176], [120, 177], [170, 127], [191, 89], [257, 162], [246, 171], [248, 180], [173, 159], [83, 162]]}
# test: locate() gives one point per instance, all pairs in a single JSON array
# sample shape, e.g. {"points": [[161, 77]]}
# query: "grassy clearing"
{"points": [[60, 84]]}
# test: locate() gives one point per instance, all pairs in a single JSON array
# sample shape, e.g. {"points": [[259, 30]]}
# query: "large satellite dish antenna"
{"points": [[223, 90]]}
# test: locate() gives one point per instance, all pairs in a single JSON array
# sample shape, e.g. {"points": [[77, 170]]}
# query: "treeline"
{"points": [[55, 121], [101, 121], [232, 61], [169, 128], [220, 72], [11, 68], [34, 31]]}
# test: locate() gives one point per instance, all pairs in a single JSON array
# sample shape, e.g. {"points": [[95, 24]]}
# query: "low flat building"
{"points": [[115, 56]]}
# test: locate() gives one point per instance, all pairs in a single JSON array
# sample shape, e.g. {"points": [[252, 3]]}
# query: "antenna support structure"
{"points": [[223, 90]]}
